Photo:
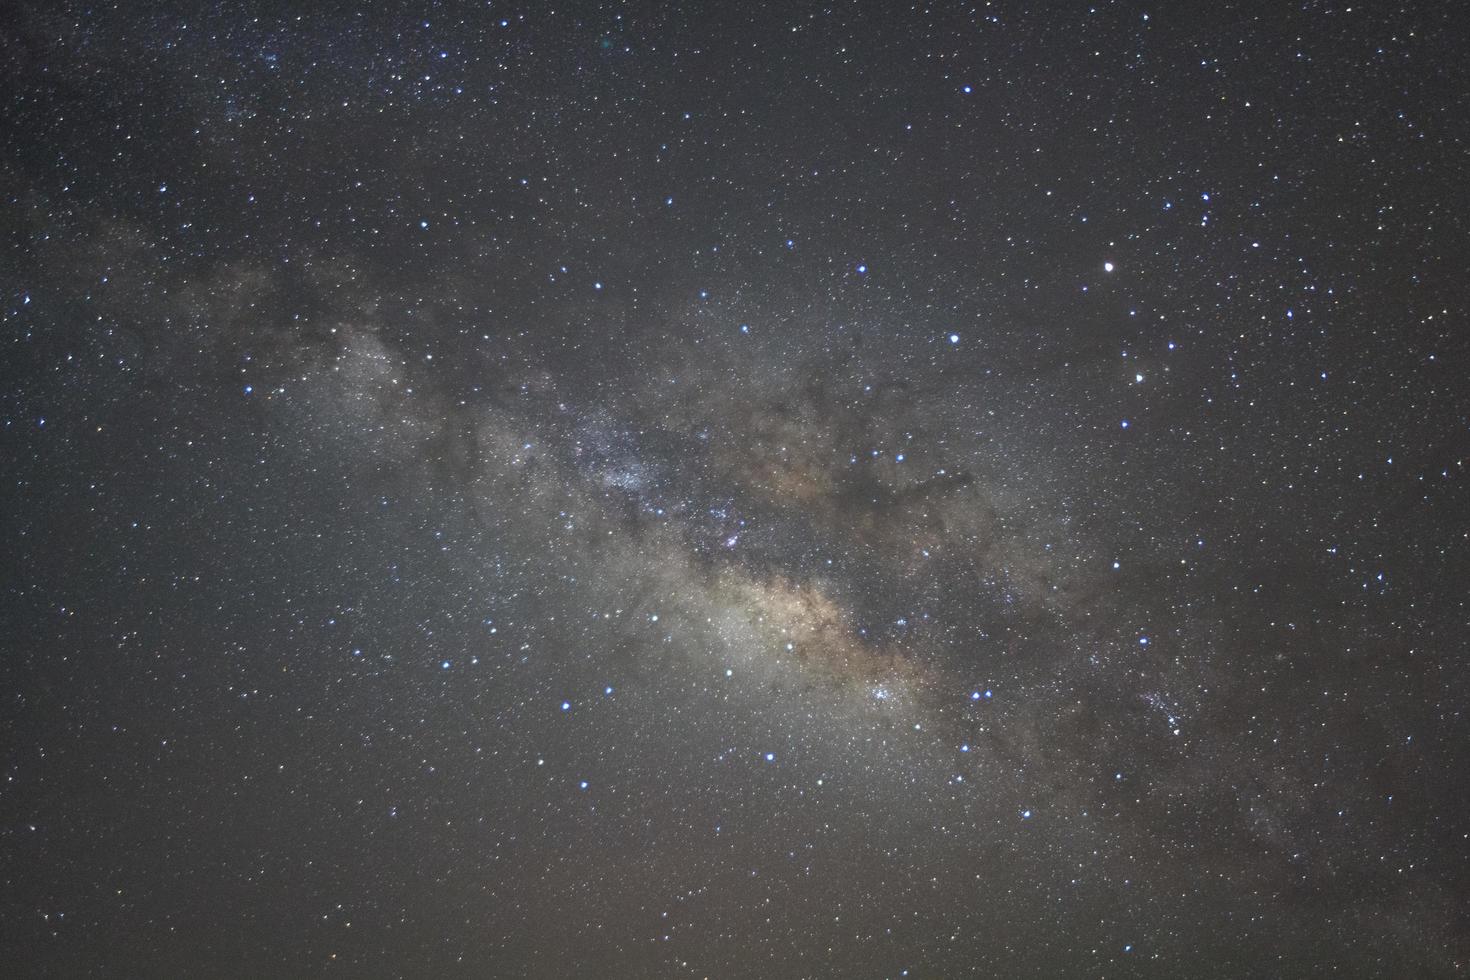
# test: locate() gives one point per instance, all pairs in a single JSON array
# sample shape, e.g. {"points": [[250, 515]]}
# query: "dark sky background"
{"points": [[733, 490]]}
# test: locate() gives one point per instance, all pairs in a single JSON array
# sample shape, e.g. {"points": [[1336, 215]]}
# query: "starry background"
{"points": [[734, 491]]}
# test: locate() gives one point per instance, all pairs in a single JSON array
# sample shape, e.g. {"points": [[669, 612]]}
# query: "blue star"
{"points": [[566, 706], [862, 270], [770, 757]]}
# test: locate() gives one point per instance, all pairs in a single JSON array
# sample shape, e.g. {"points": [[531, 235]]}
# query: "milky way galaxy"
{"points": [[734, 491]]}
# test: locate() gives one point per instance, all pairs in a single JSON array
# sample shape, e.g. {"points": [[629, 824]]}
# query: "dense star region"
{"points": [[734, 490]]}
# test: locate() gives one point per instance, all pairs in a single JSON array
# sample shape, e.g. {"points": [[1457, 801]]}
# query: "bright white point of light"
{"points": [[566, 706], [1138, 378], [732, 540], [654, 617], [1143, 641], [954, 338], [668, 200], [967, 90], [444, 665], [729, 672], [1125, 423], [899, 458], [964, 748], [745, 328], [597, 285], [790, 243], [1025, 814], [1171, 345], [1107, 267], [791, 646], [583, 784], [607, 690], [1118, 776], [974, 695], [862, 269], [1128, 948], [423, 224], [1116, 566], [249, 389], [770, 757], [988, 692]]}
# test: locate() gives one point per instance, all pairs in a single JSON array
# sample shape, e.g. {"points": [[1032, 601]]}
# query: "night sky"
{"points": [[723, 490]]}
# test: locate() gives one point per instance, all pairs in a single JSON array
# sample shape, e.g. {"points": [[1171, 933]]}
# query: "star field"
{"points": [[794, 490]]}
